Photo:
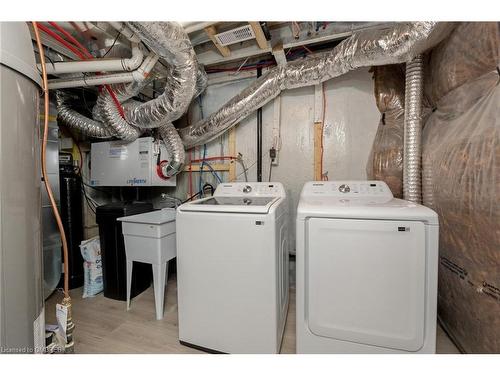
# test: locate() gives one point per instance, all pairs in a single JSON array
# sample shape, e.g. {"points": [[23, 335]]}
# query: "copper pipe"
{"points": [[50, 194]]}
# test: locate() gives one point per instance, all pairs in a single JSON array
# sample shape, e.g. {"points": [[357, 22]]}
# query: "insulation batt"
{"points": [[386, 157], [461, 182], [394, 45], [470, 51]]}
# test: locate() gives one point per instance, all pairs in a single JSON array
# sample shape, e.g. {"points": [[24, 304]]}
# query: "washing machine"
{"points": [[232, 269], [366, 270]]}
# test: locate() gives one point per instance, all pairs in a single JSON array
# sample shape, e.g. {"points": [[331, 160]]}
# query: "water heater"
{"points": [[22, 327], [118, 163]]}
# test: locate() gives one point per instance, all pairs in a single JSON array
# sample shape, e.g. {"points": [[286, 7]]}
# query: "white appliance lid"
{"points": [[154, 217], [233, 204], [358, 200]]}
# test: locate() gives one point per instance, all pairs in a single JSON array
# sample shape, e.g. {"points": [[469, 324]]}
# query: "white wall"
{"points": [[351, 121]]}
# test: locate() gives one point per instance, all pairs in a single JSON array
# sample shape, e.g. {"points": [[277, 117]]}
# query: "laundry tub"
{"points": [[150, 238]]}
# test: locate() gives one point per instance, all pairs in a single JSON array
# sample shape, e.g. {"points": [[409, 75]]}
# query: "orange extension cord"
{"points": [[50, 194]]}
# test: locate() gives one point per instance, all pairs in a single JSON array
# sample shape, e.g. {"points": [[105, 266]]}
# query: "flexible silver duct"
{"points": [[201, 81], [112, 117], [75, 120], [175, 149], [170, 42], [185, 80], [365, 48], [412, 177]]}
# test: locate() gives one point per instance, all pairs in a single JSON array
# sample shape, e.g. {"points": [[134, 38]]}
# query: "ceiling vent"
{"points": [[237, 35]]}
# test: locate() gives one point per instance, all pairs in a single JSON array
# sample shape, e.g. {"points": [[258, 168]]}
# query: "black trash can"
{"points": [[114, 261]]}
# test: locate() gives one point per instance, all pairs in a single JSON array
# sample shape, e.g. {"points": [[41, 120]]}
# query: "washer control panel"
{"points": [[250, 189], [351, 189]]}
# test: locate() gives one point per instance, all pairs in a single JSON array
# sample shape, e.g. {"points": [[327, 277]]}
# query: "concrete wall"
{"points": [[351, 121]]}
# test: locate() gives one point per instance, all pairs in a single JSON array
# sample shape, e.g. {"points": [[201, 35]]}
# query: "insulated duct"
{"points": [[170, 42], [112, 117], [185, 80], [75, 120], [175, 149], [394, 45], [412, 173]]}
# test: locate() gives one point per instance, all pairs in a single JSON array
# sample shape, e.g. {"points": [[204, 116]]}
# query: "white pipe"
{"points": [[108, 79], [126, 31], [99, 65], [137, 75]]}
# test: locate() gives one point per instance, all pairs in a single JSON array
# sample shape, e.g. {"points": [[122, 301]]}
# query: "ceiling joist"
{"points": [[259, 35], [211, 32]]}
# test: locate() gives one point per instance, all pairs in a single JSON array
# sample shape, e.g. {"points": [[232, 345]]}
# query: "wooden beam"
{"points": [[232, 151], [224, 167], [224, 50], [318, 132], [279, 54], [259, 35]]}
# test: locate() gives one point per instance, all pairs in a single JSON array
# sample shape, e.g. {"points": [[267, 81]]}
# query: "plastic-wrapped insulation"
{"points": [[394, 45], [412, 173], [386, 157], [171, 43], [175, 149], [75, 120]]}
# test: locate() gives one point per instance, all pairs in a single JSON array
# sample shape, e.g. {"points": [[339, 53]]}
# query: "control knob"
{"points": [[344, 188]]}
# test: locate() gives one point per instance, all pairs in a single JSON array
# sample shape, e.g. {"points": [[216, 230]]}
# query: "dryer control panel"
{"points": [[251, 189], [351, 189]]}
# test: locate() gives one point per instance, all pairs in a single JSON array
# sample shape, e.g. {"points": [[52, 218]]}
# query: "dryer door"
{"points": [[365, 281]]}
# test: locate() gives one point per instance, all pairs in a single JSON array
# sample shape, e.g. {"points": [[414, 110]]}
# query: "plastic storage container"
{"points": [[113, 250]]}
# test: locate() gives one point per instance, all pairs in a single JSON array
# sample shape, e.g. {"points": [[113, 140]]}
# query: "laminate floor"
{"points": [[104, 326]]}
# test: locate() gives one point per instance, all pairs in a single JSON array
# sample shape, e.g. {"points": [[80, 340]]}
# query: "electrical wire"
{"points": [[113, 44], [46, 181], [270, 170]]}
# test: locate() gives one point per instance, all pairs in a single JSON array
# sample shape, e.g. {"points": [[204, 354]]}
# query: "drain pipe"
{"points": [[412, 178], [99, 65], [259, 137], [137, 75]]}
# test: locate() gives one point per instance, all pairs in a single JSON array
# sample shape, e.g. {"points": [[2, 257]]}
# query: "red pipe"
{"points": [[115, 100], [79, 54], [213, 158], [61, 41], [71, 39]]}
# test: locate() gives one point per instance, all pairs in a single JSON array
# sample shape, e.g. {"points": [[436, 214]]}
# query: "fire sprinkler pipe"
{"points": [[137, 75]]}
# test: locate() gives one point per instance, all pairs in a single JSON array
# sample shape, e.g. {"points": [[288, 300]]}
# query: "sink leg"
{"points": [[159, 288], [130, 265]]}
